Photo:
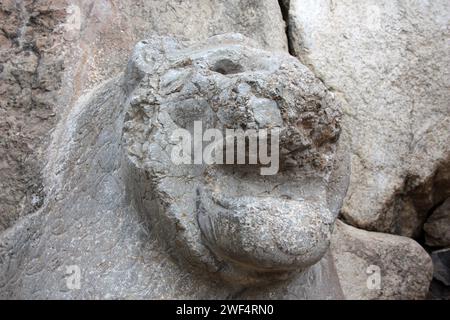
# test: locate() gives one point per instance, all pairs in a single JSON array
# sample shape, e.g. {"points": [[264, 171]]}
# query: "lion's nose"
{"points": [[265, 112]]}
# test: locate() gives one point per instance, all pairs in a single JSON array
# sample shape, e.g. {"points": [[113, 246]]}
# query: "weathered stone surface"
{"points": [[441, 261], [93, 219], [437, 227], [103, 33], [53, 51], [440, 287], [58, 67], [231, 218], [405, 267], [31, 64], [389, 61]]}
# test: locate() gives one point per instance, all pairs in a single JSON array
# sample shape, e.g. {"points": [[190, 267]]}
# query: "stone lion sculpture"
{"points": [[230, 219], [122, 220]]}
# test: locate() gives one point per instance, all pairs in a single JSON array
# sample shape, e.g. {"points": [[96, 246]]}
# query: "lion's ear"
{"points": [[148, 57]]}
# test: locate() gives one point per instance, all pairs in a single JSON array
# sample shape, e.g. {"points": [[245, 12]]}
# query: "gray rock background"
{"points": [[387, 60], [437, 231], [355, 251]]}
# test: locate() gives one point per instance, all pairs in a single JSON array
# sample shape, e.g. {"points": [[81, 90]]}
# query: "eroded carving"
{"points": [[229, 218]]}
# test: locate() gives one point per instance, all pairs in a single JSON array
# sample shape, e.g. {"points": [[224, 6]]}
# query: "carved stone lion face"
{"points": [[229, 218]]}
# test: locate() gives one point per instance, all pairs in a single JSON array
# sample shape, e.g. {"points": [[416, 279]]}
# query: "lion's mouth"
{"points": [[264, 233]]}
